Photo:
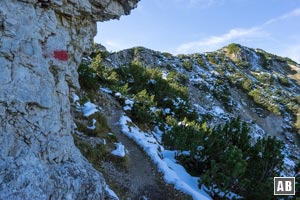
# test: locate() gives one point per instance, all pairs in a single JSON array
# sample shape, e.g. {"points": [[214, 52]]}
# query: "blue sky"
{"points": [[195, 26]]}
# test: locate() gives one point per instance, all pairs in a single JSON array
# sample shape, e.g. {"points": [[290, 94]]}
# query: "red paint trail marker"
{"points": [[61, 55]]}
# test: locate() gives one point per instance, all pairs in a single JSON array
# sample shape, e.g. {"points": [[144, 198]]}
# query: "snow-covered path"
{"points": [[139, 178]]}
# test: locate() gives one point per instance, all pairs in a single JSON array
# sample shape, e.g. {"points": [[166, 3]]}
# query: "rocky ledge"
{"points": [[41, 44]]}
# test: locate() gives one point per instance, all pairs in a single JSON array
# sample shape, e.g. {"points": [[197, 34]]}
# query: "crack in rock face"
{"points": [[41, 44]]}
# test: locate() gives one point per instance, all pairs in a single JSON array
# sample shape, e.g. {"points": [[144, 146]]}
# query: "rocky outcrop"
{"points": [[41, 44]]}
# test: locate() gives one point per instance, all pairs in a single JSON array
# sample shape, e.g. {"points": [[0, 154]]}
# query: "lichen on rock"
{"points": [[41, 44]]}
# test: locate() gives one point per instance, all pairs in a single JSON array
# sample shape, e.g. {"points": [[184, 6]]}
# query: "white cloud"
{"points": [[214, 42], [114, 45], [293, 13], [238, 35]]}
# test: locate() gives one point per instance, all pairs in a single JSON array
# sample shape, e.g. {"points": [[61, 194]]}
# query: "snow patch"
{"points": [[120, 150], [152, 81], [164, 75], [128, 104], [93, 125], [257, 132], [111, 193], [118, 94], [289, 162], [89, 109], [106, 90], [126, 108], [217, 110], [167, 110], [75, 97], [166, 162]]}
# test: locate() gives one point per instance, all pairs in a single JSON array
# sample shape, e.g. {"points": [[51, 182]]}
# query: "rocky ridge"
{"points": [[41, 44]]}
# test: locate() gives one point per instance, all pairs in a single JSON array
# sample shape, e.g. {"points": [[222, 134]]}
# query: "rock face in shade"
{"points": [[41, 44]]}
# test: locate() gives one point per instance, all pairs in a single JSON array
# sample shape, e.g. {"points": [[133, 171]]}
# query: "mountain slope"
{"points": [[245, 71], [206, 105], [261, 87]]}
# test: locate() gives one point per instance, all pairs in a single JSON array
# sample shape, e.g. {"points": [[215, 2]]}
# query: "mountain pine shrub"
{"points": [[225, 160], [188, 65], [88, 78]]}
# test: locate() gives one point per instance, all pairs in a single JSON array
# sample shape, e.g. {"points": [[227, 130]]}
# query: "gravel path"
{"points": [[138, 178]]}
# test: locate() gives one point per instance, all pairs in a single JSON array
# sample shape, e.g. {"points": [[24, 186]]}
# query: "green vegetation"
{"points": [[87, 77], [167, 55], [96, 126], [142, 107], [100, 152], [247, 84], [139, 78], [98, 49], [223, 157], [284, 81], [93, 154], [101, 125], [211, 57], [236, 54], [267, 95], [222, 93], [201, 61], [243, 64], [188, 65], [262, 98], [143, 84], [267, 59], [297, 123], [264, 78], [235, 77], [263, 91], [136, 52], [233, 48]]}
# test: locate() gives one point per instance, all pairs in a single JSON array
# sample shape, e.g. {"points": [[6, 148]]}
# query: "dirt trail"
{"points": [[138, 178]]}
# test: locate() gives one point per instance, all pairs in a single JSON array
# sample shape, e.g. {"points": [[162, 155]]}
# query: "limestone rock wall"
{"points": [[41, 44]]}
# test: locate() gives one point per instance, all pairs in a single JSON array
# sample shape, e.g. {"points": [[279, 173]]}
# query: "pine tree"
{"points": [[265, 160], [142, 104]]}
